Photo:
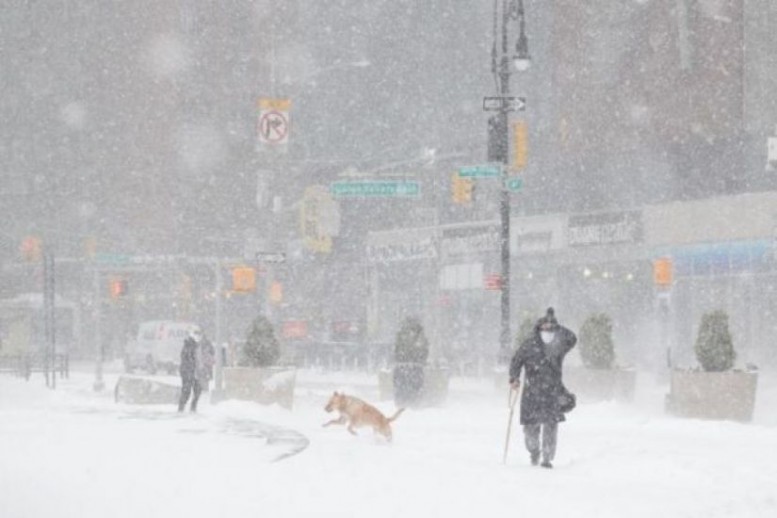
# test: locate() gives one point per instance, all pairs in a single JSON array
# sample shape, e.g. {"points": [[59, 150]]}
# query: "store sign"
{"points": [[537, 234], [294, 329], [608, 228], [410, 251], [401, 245], [467, 240]]}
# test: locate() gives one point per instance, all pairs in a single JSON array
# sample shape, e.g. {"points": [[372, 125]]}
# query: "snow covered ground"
{"points": [[71, 452]]}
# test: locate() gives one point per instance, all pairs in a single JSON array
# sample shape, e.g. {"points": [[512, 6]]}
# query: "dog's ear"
{"points": [[335, 393]]}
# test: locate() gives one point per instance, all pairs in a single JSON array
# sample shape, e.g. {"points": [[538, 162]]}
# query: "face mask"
{"points": [[547, 336]]}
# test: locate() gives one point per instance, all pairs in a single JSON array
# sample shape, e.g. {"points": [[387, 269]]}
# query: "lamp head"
{"points": [[521, 59]]}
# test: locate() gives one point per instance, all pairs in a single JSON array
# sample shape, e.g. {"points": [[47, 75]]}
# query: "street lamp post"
{"points": [[498, 144]]}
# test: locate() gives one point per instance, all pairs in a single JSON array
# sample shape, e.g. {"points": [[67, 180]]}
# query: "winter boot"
{"points": [[535, 458], [546, 464]]}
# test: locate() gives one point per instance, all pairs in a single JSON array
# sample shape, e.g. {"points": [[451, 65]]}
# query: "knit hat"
{"points": [[549, 318]]}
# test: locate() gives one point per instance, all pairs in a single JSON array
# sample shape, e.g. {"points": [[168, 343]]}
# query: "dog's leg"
{"points": [[340, 420], [350, 429]]}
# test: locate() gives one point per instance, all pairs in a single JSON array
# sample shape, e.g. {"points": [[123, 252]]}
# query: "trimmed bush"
{"points": [[596, 346], [411, 344], [261, 348], [411, 349], [714, 347]]}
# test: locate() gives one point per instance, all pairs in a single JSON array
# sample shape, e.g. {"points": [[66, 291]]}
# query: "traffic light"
{"points": [[461, 189], [243, 279], [520, 145], [118, 288], [662, 271], [31, 248], [276, 292]]}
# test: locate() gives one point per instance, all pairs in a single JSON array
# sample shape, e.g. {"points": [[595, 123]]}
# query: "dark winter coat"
{"points": [[542, 365], [208, 359], [188, 367]]}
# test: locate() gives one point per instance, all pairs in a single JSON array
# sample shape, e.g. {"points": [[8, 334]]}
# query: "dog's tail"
{"points": [[396, 414]]}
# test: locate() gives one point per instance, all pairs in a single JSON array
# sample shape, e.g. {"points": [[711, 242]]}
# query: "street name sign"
{"points": [[513, 183], [112, 259], [376, 189], [270, 257], [480, 171], [510, 104]]}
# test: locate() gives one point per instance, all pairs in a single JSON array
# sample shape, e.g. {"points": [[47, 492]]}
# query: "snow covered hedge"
{"points": [[596, 346], [261, 348], [714, 348]]}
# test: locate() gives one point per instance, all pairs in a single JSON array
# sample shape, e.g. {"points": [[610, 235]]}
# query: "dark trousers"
{"points": [[189, 385], [531, 433]]}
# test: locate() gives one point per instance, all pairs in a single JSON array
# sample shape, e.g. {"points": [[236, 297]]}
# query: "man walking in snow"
{"points": [[191, 370], [544, 399]]}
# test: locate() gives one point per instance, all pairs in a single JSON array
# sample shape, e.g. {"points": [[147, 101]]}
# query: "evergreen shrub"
{"points": [[596, 346], [261, 348], [714, 348]]}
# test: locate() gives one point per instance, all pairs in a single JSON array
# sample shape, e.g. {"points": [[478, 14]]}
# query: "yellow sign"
{"points": [[266, 103]]}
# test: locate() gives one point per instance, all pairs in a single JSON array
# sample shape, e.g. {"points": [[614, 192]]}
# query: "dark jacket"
{"points": [[542, 365], [189, 358], [208, 359]]}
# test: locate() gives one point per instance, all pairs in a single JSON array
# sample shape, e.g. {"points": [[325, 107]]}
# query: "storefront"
{"points": [[721, 252]]}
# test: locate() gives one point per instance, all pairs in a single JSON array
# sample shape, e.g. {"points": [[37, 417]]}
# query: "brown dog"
{"points": [[358, 413]]}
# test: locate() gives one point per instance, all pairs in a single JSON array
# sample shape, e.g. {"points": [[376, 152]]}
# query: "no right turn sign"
{"points": [[273, 124]]}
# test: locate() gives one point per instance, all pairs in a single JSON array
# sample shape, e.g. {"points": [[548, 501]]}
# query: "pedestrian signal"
{"points": [[118, 288], [662, 271], [243, 279], [31, 248]]}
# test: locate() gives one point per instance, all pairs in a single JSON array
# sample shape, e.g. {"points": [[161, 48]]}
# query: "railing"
{"points": [[23, 365]]}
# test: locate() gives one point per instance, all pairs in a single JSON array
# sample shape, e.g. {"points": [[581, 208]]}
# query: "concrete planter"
{"points": [[143, 391], [433, 393], [265, 385], [594, 385], [712, 395]]}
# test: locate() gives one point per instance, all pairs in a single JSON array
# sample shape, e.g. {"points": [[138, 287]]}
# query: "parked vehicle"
{"points": [[157, 346]]}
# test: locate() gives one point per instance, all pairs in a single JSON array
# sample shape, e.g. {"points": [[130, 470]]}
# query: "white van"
{"points": [[158, 346]]}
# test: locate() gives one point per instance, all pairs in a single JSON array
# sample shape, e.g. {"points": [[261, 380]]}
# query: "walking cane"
{"points": [[512, 398]]}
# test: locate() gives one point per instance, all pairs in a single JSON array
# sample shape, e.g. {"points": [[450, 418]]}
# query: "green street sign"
{"points": [[513, 183], [111, 259], [480, 171], [376, 189]]}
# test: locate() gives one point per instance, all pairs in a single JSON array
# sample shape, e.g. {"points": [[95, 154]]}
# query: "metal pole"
{"points": [[218, 375], [52, 289], [48, 316], [504, 203], [219, 302], [98, 373]]}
